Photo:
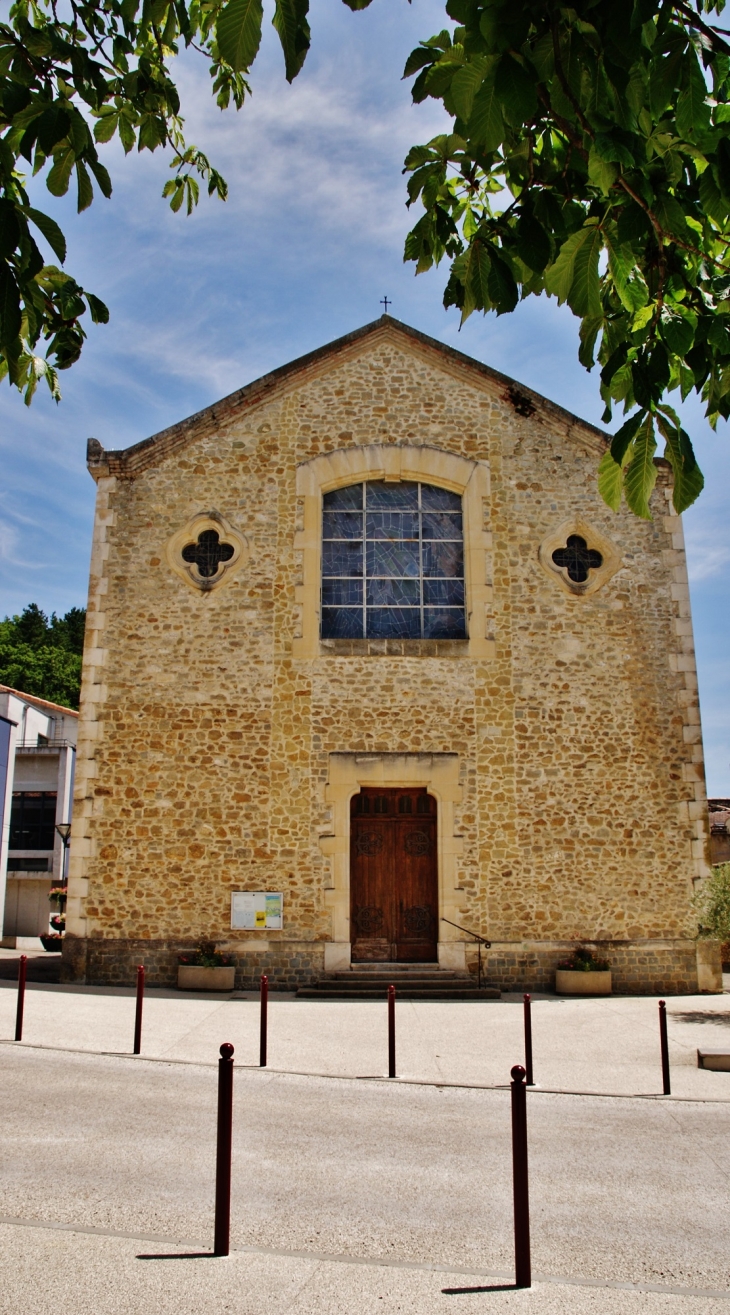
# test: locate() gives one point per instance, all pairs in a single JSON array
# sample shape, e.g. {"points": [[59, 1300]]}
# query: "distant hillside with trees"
{"points": [[41, 655]]}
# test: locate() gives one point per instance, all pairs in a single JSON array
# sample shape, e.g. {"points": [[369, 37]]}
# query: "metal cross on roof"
{"points": [[384, 302]]}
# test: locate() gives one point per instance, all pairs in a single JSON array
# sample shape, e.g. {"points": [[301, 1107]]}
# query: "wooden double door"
{"points": [[393, 876]]}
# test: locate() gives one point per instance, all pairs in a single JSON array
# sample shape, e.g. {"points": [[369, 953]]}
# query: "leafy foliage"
{"points": [[712, 904], [71, 79], [42, 656], [590, 159]]}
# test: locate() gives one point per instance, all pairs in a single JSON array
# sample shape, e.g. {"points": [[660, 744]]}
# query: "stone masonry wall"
{"points": [[204, 743]]}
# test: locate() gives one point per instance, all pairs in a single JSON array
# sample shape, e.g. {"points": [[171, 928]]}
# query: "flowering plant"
{"points": [[57, 893], [206, 956], [582, 961]]}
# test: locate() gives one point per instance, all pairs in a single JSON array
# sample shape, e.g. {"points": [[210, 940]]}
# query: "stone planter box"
{"points": [[190, 977], [568, 982]]}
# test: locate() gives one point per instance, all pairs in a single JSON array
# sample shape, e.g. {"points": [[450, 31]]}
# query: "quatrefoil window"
{"points": [[577, 558], [206, 552]]}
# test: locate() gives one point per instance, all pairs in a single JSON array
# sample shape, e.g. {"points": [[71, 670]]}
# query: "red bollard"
{"points": [[222, 1233], [138, 1012], [523, 1273], [264, 1019], [391, 1031], [665, 1047], [528, 1039], [22, 965]]}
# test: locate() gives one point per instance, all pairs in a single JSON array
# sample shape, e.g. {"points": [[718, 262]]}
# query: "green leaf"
{"points": [[711, 200], [465, 84], [516, 91], [418, 59], [584, 297], [630, 286], [99, 312], [85, 192], [102, 177], [477, 295], [723, 166], [677, 332], [610, 481], [601, 173], [622, 439], [9, 229], [640, 476], [105, 127], [502, 287], [238, 32], [59, 176], [51, 232], [290, 21], [693, 112], [9, 307], [688, 478], [559, 277], [533, 243], [486, 126]]}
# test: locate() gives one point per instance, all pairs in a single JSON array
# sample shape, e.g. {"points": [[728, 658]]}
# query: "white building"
{"points": [[37, 758]]}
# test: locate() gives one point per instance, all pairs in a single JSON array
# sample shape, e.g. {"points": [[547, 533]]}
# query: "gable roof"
{"points": [[39, 703], [131, 461]]}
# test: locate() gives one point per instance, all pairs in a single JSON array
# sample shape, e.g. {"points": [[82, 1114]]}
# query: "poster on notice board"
{"points": [[257, 910]]}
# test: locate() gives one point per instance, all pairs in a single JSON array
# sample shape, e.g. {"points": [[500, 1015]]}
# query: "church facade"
{"points": [[370, 667]]}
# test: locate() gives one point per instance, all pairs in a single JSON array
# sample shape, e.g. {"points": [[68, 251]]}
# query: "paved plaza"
{"points": [[352, 1193]]}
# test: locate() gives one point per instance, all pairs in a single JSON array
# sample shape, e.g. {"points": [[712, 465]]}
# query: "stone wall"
{"points": [[208, 727]]}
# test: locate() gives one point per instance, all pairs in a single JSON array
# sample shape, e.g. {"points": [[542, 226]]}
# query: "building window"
{"points": [[392, 562], [32, 820]]}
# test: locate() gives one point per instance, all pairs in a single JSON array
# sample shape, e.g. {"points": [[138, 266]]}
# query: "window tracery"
{"points": [[392, 562]]}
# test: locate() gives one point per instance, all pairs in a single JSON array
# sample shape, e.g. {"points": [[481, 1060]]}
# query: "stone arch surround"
{"points": [[335, 470], [439, 772]]}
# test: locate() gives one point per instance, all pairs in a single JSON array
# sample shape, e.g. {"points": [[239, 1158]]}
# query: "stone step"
{"points": [[459, 991], [422, 988]]}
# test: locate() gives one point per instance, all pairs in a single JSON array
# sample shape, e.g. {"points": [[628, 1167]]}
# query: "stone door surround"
{"points": [[439, 773]]}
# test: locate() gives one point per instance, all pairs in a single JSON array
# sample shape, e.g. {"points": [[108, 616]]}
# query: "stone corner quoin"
{"points": [[221, 740]]}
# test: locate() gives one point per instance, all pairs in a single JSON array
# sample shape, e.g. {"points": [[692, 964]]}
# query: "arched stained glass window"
{"points": [[392, 562]]}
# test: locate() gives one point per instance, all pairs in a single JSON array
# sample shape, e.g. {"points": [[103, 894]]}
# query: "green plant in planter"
{"points": [[57, 894], [583, 961], [206, 956]]}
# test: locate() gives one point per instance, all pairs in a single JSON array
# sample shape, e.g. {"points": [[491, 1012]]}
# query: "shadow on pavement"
{"points": [[44, 967]]}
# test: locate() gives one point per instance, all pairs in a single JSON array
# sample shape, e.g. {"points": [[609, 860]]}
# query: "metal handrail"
{"points": [[481, 940]]}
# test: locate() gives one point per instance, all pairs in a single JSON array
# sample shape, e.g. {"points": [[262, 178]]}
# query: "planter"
{"points": [[52, 943], [569, 982], [192, 978]]}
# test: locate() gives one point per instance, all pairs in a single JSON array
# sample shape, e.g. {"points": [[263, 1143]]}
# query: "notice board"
{"points": [[257, 910]]}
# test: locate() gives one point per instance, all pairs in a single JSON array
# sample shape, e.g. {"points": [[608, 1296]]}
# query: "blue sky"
{"points": [[309, 241]]}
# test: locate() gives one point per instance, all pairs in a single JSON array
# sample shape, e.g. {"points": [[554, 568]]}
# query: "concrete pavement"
{"points": [[600, 1045], [352, 1194], [348, 1196]]}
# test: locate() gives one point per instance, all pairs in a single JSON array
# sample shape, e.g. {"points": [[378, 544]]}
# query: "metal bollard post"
{"points": [[138, 1011], [391, 1031], [264, 1019], [523, 1275], [665, 1047], [527, 1004], [22, 965], [222, 1234]]}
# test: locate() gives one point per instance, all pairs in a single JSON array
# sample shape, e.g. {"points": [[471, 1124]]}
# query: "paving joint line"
{"points": [[536, 1090], [373, 1262]]}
